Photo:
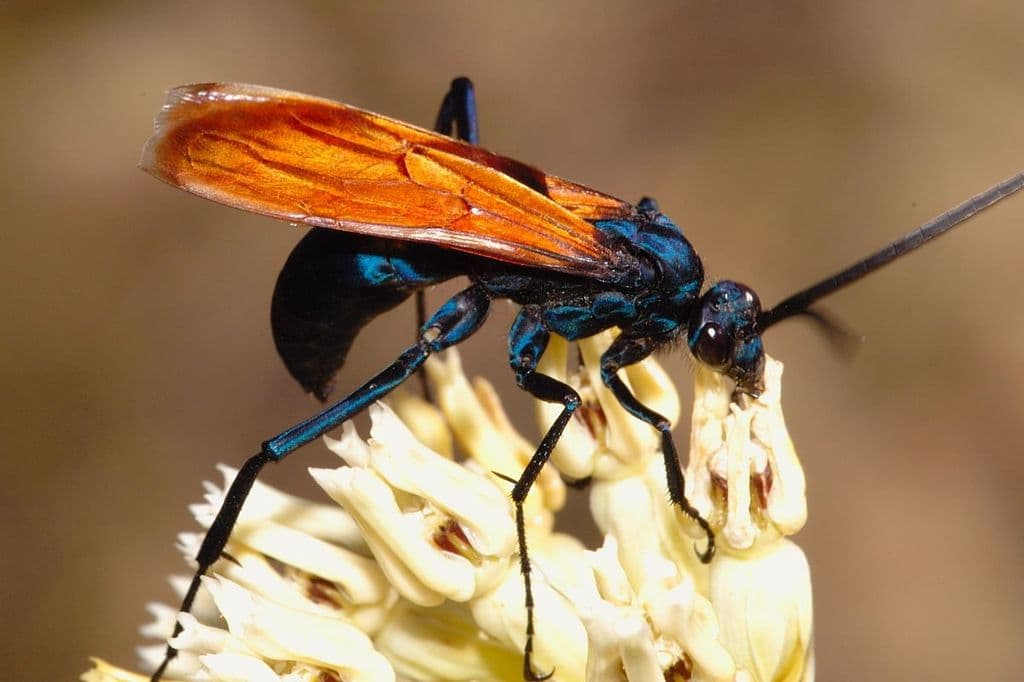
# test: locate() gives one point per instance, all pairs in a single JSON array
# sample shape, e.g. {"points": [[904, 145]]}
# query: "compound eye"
{"points": [[714, 346]]}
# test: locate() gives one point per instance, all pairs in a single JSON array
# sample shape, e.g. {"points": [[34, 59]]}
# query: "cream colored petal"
{"points": [[253, 571], [619, 622], [266, 503], [623, 509], [711, 398], [620, 641], [679, 537], [277, 633], [444, 643], [787, 500], [360, 576], [400, 542], [684, 616], [482, 511], [246, 567], [231, 667], [743, 473], [352, 449], [416, 510], [639, 653], [561, 640], [620, 636], [604, 661], [484, 432], [358, 599], [198, 638], [683, 620], [473, 427], [739, 529], [613, 584], [162, 624], [235, 667], [763, 602], [560, 556], [427, 423], [203, 607], [183, 667]]}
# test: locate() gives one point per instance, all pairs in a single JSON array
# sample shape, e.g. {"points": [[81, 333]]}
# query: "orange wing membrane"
{"points": [[313, 161]]}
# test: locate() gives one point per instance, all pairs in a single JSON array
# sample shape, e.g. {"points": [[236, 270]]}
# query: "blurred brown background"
{"points": [[787, 141]]}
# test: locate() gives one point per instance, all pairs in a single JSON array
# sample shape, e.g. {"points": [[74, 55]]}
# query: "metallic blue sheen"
{"points": [[527, 340], [319, 424], [618, 229], [655, 298], [604, 310], [732, 310], [749, 352], [455, 321]]}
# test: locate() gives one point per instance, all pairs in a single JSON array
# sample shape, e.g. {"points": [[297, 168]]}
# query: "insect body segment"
{"points": [[724, 334], [333, 284]]}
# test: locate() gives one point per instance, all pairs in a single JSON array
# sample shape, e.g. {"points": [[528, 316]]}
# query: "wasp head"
{"points": [[723, 334]]}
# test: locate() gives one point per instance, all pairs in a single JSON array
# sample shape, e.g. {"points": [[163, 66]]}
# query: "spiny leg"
{"points": [[213, 543], [456, 114], [626, 351], [527, 341], [455, 321]]}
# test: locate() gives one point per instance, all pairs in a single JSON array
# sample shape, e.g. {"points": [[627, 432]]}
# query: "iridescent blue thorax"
{"points": [[671, 281], [336, 282], [652, 296]]}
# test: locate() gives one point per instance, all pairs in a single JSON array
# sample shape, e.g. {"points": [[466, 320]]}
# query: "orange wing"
{"points": [[309, 160]]}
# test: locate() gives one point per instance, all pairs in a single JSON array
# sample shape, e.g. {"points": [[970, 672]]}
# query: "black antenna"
{"points": [[798, 303]]}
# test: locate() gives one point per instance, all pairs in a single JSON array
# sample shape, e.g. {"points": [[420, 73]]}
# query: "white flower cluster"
{"points": [[416, 575]]}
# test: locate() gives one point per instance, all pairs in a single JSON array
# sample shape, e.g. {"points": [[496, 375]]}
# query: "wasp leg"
{"points": [[458, 114], [527, 341], [455, 321], [626, 351]]}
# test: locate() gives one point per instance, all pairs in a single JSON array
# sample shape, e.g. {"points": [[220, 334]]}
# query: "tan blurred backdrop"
{"points": [[787, 141]]}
